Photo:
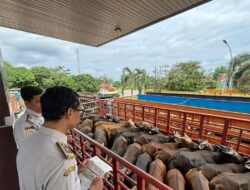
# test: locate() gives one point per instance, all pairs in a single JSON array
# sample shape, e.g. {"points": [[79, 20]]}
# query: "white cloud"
{"points": [[194, 35]]}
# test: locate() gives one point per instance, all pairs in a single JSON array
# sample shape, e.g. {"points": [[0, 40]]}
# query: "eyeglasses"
{"points": [[81, 110]]}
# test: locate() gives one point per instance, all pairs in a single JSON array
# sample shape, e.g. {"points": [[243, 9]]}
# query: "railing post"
{"points": [[238, 144], [155, 117], [134, 113], [224, 135], [184, 123], [73, 140], [118, 110], [140, 183], [142, 113], [95, 152], [201, 126], [83, 147], [125, 107], [168, 121], [116, 174], [113, 107]]}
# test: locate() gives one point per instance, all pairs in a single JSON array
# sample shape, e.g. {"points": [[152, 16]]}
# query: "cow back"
{"points": [[175, 179]]}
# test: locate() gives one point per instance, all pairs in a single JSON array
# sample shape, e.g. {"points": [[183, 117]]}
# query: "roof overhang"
{"points": [[89, 22]]}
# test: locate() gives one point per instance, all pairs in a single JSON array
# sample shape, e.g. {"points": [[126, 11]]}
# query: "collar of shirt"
{"points": [[53, 133], [29, 111]]}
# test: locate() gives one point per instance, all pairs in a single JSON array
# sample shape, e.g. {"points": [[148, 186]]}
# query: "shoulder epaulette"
{"points": [[70, 169], [66, 150]]}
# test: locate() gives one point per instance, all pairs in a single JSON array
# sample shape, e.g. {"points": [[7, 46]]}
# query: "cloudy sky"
{"points": [[194, 35]]}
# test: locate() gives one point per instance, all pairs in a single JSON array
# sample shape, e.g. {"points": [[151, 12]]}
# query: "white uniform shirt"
{"points": [[41, 164], [28, 123]]}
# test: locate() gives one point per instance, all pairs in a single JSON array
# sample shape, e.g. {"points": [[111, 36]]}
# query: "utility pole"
{"points": [[77, 62]]}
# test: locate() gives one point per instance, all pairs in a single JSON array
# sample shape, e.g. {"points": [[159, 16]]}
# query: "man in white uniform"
{"points": [[44, 161], [31, 119]]}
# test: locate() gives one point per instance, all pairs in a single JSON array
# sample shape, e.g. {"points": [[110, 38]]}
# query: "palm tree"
{"points": [[124, 81], [240, 66], [140, 79], [131, 78]]}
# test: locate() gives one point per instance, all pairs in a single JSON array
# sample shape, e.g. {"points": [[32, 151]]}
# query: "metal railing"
{"points": [[217, 129], [85, 147]]}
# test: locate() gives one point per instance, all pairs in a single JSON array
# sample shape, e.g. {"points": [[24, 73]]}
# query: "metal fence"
{"points": [[85, 147], [217, 129]]}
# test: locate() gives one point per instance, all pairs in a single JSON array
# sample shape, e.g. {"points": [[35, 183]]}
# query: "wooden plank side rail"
{"points": [[85, 147], [218, 127]]}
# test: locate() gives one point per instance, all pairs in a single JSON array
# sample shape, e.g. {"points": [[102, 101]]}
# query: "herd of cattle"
{"points": [[176, 160]]}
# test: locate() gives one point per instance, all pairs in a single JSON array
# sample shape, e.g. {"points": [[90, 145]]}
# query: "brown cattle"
{"points": [[143, 161], [148, 128], [152, 147], [130, 136], [231, 181], [114, 133], [158, 170], [101, 137], [120, 145], [211, 170], [197, 180], [86, 126], [107, 126], [166, 155], [132, 152], [145, 139], [185, 160], [175, 179]]}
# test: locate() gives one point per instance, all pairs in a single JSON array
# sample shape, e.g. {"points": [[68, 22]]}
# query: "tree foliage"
{"points": [[18, 77], [44, 77], [87, 83], [241, 72], [187, 76], [218, 71], [134, 79], [244, 82]]}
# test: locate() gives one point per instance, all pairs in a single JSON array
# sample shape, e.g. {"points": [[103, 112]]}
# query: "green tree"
{"points": [[60, 76], [210, 84], [130, 78], [244, 82], [149, 82], [124, 81], [140, 79], [42, 76], [19, 77], [218, 71], [117, 84], [240, 69], [87, 83], [105, 79], [187, 76]]}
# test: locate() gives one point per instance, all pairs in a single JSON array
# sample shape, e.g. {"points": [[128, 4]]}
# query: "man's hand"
{"points": [[97, 184], [83, 165]]}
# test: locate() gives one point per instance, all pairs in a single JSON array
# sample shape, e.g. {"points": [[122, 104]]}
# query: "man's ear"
{"points": [[27, 103], [69, 113]]}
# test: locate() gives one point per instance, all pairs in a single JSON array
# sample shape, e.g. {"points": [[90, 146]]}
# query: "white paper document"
{"points": [[95, 168]]}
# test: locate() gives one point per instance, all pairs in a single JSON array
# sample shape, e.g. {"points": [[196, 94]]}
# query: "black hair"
{"points": [[56, 101], [28, 92]]}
